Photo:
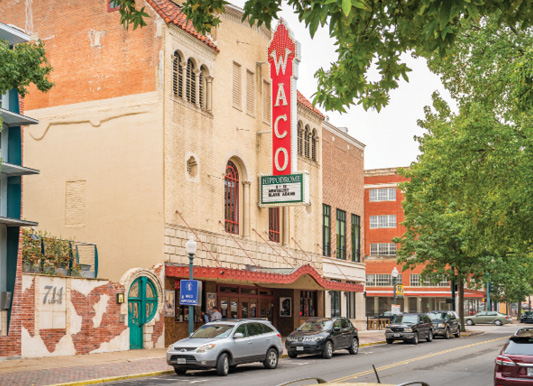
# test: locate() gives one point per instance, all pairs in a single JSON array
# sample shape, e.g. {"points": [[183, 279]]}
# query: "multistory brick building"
{"points": [[157, 135], [383, 218], [343, 220]]}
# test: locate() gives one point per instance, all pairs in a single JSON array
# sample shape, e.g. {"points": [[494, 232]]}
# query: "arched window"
{"points": [[306, 141], [300, 138], [191, 82], [313, 145], [204, 89], [177, 75], [231, 199]]}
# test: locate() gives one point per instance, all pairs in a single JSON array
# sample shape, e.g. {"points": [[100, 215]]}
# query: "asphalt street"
{"points": [[464, 361]]}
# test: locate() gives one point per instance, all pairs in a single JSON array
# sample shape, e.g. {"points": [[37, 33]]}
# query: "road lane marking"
{"points": [[407, 361]]}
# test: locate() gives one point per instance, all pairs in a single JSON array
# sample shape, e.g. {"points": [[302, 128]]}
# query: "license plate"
{"points": [[302, 349], [396, 335], [530, 371], [182, 361]]}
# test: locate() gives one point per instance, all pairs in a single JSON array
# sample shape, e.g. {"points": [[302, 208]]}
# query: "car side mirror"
{"points": [[238, 335]]}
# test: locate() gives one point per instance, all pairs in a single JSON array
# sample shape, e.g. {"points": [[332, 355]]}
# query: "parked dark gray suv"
{"points": [[445, 323], [323, 336], [409, 328]]}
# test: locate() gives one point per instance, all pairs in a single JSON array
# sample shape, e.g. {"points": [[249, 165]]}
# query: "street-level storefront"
{"points": [[287, 298]]}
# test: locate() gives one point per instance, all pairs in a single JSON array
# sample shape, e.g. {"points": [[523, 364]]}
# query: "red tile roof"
{"points": [[171, 13], [304, 102]]}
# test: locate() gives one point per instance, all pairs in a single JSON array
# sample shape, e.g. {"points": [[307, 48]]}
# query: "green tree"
{"points": [[367, 33], [23, 64], [468, 203]]}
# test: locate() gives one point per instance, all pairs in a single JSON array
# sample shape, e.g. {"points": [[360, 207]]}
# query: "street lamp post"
{"points": [[190, 247], [394, 275]]}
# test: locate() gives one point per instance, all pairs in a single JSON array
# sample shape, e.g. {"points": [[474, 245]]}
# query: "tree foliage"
{"points": [[468, 203], [367, 34], [22, 65]]}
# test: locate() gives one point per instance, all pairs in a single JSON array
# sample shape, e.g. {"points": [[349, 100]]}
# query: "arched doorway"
{"points": [[142, 306]]}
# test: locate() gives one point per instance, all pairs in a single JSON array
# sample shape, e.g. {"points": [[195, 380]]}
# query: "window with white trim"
{"points": [[383, 221], [237, 86], [250, 93], [383, 249], [385, 194], [267, 101], [416, 281], [381, 280]]}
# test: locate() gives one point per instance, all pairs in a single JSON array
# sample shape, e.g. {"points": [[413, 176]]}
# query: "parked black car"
{"points": [[409, 328], [527, 317], [445, 323], [323, 336]]}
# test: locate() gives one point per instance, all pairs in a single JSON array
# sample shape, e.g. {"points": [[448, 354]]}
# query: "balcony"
{"points": [[45, 254]]}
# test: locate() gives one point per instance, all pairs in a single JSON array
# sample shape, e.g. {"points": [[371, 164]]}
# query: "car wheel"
{"points": [[354, 348], [271, 360], [498, 322], [447, 334], [469, 322], [328, 350], [430, 336], [292, 354], [458, 333], [415, 339], [389, 341], [180, 371], [223, 364]]}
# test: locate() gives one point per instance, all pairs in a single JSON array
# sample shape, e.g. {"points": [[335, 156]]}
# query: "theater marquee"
{"points": [[284, 190], [286, 186]]}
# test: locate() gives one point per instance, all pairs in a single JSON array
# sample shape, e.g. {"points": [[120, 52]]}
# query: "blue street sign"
{"points": [[190, 293]]}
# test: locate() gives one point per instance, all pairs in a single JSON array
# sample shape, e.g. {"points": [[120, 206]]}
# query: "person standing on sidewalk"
{"points": [[216, 315]]}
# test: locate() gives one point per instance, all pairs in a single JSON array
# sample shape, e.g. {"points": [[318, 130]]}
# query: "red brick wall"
{"points": [[125, 62], [343, 185]]}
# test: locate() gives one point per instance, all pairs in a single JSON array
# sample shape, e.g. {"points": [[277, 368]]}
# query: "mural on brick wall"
{"points": [[67, 316]]}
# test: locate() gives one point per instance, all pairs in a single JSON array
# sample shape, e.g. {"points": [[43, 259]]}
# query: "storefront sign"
{"points": [[190, 293], [283, 55], [286, 190]]}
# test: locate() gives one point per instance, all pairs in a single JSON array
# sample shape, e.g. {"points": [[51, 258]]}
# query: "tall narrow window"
{"points": [[237, 85], [313, 145], [341, 234], [250, 93], [191, 82], [177, 75], [356, 238], [231, 197], [335, 304], [273, 224], [300, 138], [267, 101], [201, 87], [326, 229], [306, 142]]}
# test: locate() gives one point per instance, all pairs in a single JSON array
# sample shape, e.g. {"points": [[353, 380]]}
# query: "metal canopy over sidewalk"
{"points": [[302, 277]]}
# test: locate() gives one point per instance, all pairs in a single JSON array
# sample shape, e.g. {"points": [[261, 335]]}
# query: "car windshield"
{"points": [[316, 325], [213, 331], [520, 346], [437, 315], [412, 319]]}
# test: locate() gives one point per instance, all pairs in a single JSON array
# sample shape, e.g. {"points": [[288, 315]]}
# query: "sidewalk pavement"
{"points": [[98, 368]]}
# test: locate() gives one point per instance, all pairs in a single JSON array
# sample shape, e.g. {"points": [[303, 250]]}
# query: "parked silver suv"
{"points": [[225, 344]]}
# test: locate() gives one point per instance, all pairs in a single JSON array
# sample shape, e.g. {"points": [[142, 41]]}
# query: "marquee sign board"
{"points": [[292, 189], [283, 55]]}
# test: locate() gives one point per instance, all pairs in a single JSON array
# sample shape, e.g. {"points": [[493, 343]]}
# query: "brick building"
{"points": [[156, 135], [343, 220], [383, 216]]}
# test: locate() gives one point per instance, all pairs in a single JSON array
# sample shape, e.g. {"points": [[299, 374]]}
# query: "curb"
{"points": [[117, 378]]}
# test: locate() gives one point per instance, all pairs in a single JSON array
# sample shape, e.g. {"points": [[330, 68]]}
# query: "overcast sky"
{"points": [[388, 135]]}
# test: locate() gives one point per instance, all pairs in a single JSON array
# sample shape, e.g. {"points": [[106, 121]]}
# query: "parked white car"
{"points": [[225, 344]]}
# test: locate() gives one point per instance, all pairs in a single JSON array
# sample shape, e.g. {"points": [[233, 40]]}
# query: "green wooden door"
{"points": [[142, 305]]}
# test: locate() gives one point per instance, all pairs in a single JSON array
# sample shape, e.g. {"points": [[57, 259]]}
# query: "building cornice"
{"points": [[234, 13], [344, 135]]}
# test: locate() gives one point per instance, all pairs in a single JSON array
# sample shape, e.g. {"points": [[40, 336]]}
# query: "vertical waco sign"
{"points": [[283, 57], [285, 186]]}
